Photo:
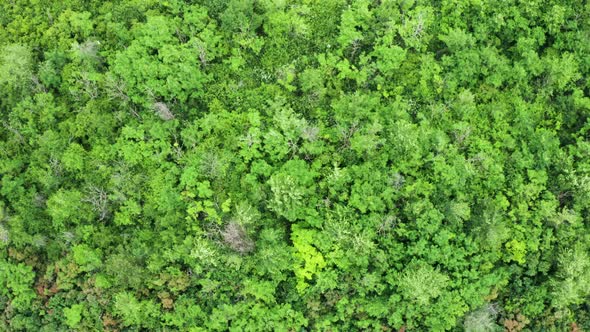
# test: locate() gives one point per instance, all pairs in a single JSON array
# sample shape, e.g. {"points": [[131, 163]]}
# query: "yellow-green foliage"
{"points": [[309, 261]]}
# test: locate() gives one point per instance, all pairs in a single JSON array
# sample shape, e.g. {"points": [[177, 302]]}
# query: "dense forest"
{"points": [[295, 165]]}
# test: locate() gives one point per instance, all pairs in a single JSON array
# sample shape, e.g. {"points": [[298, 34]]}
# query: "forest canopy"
{"points": [[295, 165]]}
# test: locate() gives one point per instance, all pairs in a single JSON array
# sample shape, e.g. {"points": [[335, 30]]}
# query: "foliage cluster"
{"points": [[301, 165]]}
